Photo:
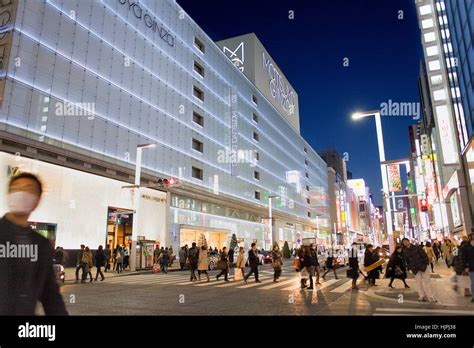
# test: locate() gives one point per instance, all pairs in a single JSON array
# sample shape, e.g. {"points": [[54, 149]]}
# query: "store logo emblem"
{"points": [[150, 21], [237, 56]]}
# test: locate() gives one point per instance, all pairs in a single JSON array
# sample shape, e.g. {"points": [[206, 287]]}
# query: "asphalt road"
{"points": [[174, 294]]}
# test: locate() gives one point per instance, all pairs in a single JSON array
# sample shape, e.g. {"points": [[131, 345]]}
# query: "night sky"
{"points": [[384, 55]]}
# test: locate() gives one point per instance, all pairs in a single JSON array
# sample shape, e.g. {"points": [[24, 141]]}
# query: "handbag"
{"points": [[398, 271], [238, 274], [277, 264]]}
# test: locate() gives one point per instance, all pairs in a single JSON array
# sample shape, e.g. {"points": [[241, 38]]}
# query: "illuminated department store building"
{"points": [[85, 82]]}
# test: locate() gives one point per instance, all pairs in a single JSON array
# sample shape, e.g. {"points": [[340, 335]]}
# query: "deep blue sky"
{"points": [[384, 54]]}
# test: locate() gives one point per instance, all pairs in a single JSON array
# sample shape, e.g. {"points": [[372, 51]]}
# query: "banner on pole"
{"points": [[394, 180]]}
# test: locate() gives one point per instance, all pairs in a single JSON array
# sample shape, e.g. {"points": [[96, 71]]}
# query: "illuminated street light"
{"points": [[386, 197]]}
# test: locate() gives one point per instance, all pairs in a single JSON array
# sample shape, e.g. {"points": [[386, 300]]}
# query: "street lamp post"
{"points": [[270, 197], [136, 199], [388, 213]]}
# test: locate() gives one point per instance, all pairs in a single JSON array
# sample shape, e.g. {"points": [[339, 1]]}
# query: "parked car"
{"points": [[267, 257], [212, 259]]}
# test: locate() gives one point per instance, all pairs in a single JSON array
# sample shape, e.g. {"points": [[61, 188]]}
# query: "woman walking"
{"points": [[223, 265], [315, 263], [354, 270], [240, 264], [306, 268], [396, 267], [119, 259], [87, 261], [431, 255], [203, 264], [277, 263], [164, 260], [100, 259], [330, 265]]}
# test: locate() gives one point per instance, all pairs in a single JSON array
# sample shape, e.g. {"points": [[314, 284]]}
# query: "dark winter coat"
{"points": [[436, 249], [416, 258], [458, 263], [306, 261], [100, 258], [193, 255], [24, 282], [314, 258], [231, 255], [396, 267], [354, 263], [468, 257], [165, 258], [330, 262], [253, 258], [59, 257]]}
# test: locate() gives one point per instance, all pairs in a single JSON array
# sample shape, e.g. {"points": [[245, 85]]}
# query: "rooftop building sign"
{"points": [[248, 54]]}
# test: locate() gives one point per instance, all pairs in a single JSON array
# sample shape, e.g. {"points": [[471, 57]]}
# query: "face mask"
{"points": [[21, 202]]}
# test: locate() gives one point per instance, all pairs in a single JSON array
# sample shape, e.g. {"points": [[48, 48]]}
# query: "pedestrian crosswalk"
{"points": [[289, 281]]}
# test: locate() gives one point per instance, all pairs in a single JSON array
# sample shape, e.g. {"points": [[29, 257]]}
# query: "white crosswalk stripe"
{"points": [[263, 280], [290, 281], [279, 284], [326, 284], [343, 288]]}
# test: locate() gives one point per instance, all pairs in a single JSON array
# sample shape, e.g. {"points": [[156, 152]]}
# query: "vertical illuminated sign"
{"points": [[394, 180]]}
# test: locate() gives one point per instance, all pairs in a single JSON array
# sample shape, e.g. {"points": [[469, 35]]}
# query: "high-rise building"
{"points": [[85, 82], [460, 16], [450, 131]]}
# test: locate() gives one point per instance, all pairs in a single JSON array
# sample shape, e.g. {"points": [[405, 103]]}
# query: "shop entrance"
{"points": [[119, 227], [214, 238]]}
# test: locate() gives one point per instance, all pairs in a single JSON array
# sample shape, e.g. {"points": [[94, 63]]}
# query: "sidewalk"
{"points": [[71, 272], [440, 281]]}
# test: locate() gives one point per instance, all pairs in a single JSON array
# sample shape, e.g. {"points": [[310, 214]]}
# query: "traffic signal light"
{"points": [[424, 204], [168, 182]]}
